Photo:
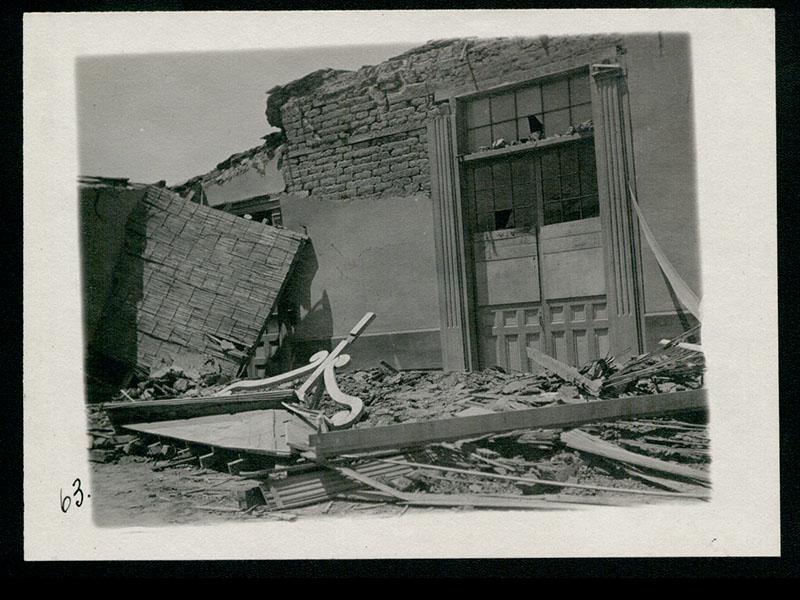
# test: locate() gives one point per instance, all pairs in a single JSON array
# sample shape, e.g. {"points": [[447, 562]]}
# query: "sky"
{"points": [[149, 117]]}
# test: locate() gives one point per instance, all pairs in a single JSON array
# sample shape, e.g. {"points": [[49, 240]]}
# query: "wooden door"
{"points": [[538, 256]]}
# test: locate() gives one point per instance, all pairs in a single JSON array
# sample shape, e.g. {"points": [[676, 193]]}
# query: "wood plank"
{"points": [[564, 371], [477, 501], [168, 409], [368, 481], [579, 440], [545, 482], [312, 488], [253, 432], [410, 435]]}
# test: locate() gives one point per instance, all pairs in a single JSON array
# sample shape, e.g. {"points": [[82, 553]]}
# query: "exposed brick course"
{"points": [[384, 110]]}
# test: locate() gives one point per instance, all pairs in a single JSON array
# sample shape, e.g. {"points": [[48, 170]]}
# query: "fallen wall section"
{"points": [[183, 271]]}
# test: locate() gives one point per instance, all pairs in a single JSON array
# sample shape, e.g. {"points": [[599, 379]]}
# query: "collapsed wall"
{"points": [[163, 275]]}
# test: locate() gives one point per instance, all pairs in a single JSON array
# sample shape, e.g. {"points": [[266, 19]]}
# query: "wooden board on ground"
{"points": [[410, 435], [168, 409], [257, 432], [583, 442], [311, 488], [566, 372]]}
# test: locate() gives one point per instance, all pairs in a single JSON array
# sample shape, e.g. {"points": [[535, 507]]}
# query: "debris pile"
{"points": [[184, 374], [629, 443]]}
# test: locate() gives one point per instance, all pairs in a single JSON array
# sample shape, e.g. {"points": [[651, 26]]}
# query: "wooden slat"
{"points": [[253, 432], [545, 482], [312, 488], [270, 382], [566, 372], [579, 440], [168, 409], [410, 435], [476, 501]]}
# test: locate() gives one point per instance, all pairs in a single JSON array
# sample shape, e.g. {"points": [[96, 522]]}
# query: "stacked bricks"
{"points": [[364, 133]]}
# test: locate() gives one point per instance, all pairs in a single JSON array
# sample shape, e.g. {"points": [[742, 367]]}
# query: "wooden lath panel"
{"points": [[187, 271]]}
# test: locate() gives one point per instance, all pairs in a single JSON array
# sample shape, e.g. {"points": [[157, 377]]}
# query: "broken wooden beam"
{"points": [[412, 435], [168, 409], [579, 440], [564, 371], [546, 482]]}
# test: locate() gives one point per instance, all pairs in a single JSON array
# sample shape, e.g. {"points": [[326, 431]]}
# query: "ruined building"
{"points": [[478, 195]]}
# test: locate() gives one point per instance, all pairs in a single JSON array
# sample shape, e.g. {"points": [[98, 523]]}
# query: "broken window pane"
{"points": [[555, 95], [478, 113], [503, 219], [503, 108], [536, 125]]}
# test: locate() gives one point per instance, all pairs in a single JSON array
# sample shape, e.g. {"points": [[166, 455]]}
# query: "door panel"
{"points": [[538, 285], [579, 329], [505, 333], [572, 259], [506, 267]]}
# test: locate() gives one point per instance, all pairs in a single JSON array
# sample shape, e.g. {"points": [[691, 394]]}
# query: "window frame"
{"points": [[463, 103], [468, 161]]}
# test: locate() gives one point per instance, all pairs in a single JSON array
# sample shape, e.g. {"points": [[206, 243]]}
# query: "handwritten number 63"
{"points": [[66, 501]]}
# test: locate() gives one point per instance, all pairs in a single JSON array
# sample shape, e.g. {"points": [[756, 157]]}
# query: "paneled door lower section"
{"points": [[544, 289], [576, 334]]}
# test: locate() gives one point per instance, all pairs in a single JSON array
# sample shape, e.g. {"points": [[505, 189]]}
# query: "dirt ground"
{"points": [[129, 493]]}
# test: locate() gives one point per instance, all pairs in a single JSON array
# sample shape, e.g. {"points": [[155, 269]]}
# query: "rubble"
{"points": [[658, 457]]}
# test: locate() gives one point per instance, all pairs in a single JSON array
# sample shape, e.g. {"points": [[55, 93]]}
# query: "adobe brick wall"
{"points": [[327, 117]]}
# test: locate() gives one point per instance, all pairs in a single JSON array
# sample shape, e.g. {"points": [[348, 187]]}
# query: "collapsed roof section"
{"points": [[164, 275]]}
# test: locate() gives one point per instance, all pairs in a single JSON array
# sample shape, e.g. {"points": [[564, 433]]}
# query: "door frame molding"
{"points": [[621, 239], [614, 159]]}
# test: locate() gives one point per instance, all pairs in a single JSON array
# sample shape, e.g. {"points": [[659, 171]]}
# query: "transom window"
{"points": [[535, 111], [555, 184]]}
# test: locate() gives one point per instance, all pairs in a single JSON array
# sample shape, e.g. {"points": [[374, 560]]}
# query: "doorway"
{"points": [[537, 253]]}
